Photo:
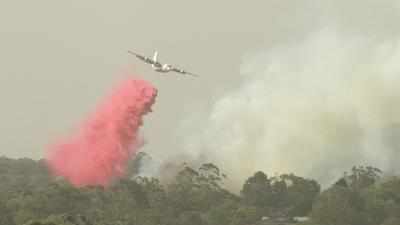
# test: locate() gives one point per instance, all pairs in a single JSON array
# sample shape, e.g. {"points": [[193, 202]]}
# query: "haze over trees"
{"points": [[196, 196]]}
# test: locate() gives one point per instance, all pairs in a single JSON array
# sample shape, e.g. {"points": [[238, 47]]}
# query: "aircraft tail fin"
{"points": [[155, 56]]}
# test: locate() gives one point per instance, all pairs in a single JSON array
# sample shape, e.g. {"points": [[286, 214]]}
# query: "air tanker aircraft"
{"points": [[159, 67]]}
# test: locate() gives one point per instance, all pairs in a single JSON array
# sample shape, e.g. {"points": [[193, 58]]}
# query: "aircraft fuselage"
{"points": [[163, 69], [157, 66]]}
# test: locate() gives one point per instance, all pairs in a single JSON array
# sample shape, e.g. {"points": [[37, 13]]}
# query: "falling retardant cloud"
{"points": [[99, 151]]}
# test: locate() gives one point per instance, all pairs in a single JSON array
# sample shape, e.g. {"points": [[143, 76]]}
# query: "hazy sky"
{"points": [[282, 82], [58, 58]]}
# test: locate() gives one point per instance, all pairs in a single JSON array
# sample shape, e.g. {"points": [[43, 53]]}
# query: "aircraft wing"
{"points": [[183, 71], [144, 58]]}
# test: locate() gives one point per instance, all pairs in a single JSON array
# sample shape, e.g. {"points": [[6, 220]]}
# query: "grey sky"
{"points": [[58, 58]]}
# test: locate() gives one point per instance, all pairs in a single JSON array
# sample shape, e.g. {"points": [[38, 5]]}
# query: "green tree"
{"points": [[62, 219], [382, 200], [5, 214], [362, 177], [391, 221], [338, 206], [223, 213], [190, 217], [285, 194], [245, 215], [196, 190], [301, 194], [257, 190]]}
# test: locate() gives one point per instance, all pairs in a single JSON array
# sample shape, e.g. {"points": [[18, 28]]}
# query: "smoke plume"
{"points": [[100, 149], [315, 106], [320, 95]]}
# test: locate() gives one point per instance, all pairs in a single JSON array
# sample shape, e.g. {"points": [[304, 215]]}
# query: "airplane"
{"points": [[159, 67]]}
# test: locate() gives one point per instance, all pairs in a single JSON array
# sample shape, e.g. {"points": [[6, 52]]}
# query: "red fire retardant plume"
{"points": [[101, 148]]}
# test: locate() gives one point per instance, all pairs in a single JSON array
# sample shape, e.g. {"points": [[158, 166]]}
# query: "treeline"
{"points": [[29, 196]]}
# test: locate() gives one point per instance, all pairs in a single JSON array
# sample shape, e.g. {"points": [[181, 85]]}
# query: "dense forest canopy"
{"points": [[196, 196]]}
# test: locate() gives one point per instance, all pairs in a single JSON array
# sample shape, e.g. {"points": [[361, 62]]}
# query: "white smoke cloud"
{"points": [[315, 106]]}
